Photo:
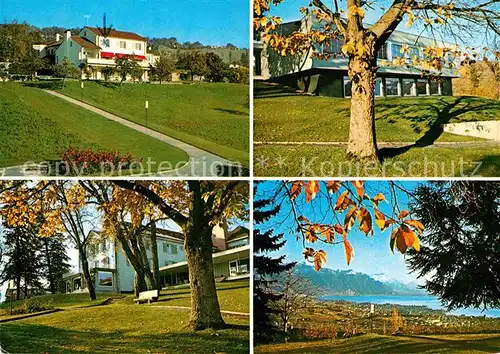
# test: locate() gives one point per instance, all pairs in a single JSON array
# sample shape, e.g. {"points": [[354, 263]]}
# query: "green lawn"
{"points": [[458, 343], [128, 328], [313, 161], [212, 116], [35, 126], [280, 115], [62, 300]]}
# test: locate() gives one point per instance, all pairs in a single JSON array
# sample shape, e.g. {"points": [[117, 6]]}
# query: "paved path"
{"points": [[189, 308], [201, 163]]}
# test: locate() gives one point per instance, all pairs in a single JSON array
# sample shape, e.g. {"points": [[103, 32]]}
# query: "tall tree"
{"points": [[265, 267], [66, 69], [216, 67], [194, 62], [196, 206], [55, 261], [126, 66], [24, 263], [163, 67], [362, 42], [61, 207], [459, 256]]}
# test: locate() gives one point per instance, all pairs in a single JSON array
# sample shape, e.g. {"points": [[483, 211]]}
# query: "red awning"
{"points": [[109, 55], [106, 55]]}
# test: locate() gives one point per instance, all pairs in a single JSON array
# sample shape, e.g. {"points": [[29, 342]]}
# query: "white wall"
{"points": [[114, 46], [126, 271], [68, 49]]}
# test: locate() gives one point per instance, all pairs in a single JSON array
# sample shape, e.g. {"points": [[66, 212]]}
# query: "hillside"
{"points": [[228, 55], [342, 282]]}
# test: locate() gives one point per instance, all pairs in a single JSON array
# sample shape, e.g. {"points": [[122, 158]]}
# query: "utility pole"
{"points": [[147, 106]]}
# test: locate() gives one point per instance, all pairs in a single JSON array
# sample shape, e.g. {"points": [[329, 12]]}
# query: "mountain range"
{"points": [[348, 282]]}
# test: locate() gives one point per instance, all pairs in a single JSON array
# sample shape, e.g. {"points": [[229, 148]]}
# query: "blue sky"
{"points": [[213, 22], [372, 255]]}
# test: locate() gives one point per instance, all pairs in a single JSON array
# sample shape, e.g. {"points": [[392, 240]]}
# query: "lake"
{"points": [[418, 300]]}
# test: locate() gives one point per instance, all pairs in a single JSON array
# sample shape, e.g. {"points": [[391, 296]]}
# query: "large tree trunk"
{"points": [[205, 310], [86, 274], [50, 275], [139, 283], [362, 139], [154, 251]]}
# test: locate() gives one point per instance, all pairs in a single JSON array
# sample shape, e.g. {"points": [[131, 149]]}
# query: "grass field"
{"points": [[35, 126], [459, 343], [211, 116], [280, 115], [124, 327]]}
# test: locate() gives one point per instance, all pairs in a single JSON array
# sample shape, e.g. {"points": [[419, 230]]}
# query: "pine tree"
{"points": [[55, 263], [265, 266], [23, 262], [459, 255]]}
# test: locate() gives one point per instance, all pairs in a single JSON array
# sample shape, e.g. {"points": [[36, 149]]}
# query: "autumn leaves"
{"points": [[351, 206]]}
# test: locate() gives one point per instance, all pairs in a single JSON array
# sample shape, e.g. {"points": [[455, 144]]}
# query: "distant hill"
{"points": [[348, 282], [228, 55]]}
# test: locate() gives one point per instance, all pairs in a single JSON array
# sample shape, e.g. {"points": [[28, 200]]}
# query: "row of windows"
{"points": [[408, 87], [106, 42]]}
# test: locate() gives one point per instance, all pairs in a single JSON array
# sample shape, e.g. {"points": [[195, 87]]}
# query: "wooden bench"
{"points": [[149, 296]]}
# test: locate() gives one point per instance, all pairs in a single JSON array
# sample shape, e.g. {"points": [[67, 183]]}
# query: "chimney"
{"points": [[68, 34], [58, 37]]}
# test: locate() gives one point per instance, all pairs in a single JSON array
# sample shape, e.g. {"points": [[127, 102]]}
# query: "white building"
{"points": [[113, 273], [96, 49], [329, 77]]}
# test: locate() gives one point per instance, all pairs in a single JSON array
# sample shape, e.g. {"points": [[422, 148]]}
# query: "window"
{"points": [[382, 53], [70, 43], [239, 267], [85, 33], [378, 87], [347, 87], [391, 87], [408, 87], [105, 261], [105, 279], [138, 46], [434, 87], [96, 264], [422, 87], [123, 45], [103, 246], [174, 249], [396, 51], [332, 47], [165, 247]]}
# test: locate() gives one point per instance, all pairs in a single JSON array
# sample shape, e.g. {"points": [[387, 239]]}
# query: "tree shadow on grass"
{"points": [[443, 111], [35, 338], [387, 344], [266, 90], [107, 84], [45, 85], [233, 111], [489, 166]]}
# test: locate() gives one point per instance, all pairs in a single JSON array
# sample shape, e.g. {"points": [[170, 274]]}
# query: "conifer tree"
{"points": [[55, 263], [265, 266], [459, 254]]}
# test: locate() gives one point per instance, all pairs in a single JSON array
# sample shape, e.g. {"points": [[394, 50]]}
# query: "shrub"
{"points": [[36, 305], [78, 162]]}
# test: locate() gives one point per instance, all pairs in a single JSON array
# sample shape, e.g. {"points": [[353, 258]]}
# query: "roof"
{"points": [[85, 43], [118, 34], [238, 232]]}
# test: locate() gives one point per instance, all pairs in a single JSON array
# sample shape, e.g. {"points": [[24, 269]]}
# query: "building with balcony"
{"points": [[328, 77], [112, 272], [96, 50]]}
